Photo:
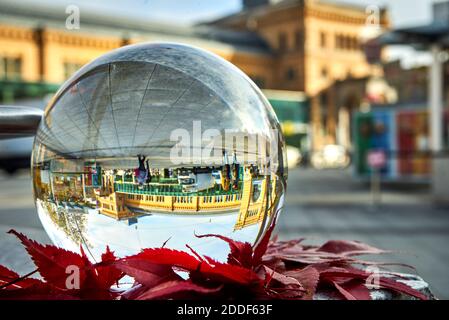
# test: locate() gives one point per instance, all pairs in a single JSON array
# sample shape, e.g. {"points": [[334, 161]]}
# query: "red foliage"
{"points": [[271, 270]]}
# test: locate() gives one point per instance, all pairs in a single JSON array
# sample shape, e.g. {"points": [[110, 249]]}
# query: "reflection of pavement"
{"points": [[321, 205], [17, 211]]}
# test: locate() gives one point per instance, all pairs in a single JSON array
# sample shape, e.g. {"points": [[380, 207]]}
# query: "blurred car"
{"points": [[294, 156], [332, 156], [15, 153]]}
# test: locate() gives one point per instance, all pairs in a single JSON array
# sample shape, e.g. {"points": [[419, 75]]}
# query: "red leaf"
{"points": [[108, 256], [37, 291], [339, 273], [261, 247], [153, 271], [308, 277], [308, 259], [175, 258], [206, 269], [132, 293], [241, 252], [345, 293], [353, 290], [348, 248], [281, 278], [172, 289], [105, 273], [53, 261], [227, 273], [145, 272], [282, 286], [6, 275], [10, 277]]}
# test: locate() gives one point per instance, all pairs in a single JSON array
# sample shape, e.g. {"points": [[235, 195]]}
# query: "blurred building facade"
{"points": [[317, 49], [311, 46]]}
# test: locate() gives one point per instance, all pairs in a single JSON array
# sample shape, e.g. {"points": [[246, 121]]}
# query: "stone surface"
{"points": [[320, 205], [412, 281]]}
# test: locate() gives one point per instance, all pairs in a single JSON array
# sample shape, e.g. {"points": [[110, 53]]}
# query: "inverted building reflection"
{"points": [[133, 151], [232, 189]]}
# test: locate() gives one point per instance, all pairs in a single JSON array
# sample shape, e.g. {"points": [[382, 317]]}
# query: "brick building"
{"points": [[310, 46]]}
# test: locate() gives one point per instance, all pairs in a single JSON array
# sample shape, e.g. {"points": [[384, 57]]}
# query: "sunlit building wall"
{"points": [[308, 46]]}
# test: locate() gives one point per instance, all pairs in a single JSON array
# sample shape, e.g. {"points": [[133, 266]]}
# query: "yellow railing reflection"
{"points": [[199, 204], [252, 201]]}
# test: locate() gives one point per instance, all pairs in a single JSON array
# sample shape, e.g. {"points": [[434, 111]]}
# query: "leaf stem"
{"points": [[19, 279]]}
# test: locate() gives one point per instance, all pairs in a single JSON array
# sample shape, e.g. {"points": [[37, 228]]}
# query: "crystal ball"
{"points": [[151, 145]]}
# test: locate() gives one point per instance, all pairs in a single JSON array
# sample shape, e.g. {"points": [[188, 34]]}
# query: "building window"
{"points": [[324, 72], [350, 43], [355, 43], [70, 68], [323, 112], [299, 40], [282, 41], [323, 40], [290, 74], [337, 41], [10, 68], [346, 42]]}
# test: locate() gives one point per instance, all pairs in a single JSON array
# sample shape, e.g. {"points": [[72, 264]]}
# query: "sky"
{"points": [[402, 13]]}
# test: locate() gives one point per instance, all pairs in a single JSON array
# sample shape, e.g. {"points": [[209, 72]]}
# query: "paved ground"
{"points": [[321, 205]]}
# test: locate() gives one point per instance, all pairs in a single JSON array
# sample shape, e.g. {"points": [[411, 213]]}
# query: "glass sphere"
{"points": [[152, 145]]}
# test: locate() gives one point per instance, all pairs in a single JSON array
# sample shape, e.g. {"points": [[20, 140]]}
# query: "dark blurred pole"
{"points": [[375, 187], [17, 122]]}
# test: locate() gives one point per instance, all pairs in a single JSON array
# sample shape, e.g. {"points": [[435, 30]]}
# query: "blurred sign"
{"points": [[374, 130], [376, 159]]}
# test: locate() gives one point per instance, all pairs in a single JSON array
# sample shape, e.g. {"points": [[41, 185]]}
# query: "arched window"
{"points": [[282, 42], [323, 39]]}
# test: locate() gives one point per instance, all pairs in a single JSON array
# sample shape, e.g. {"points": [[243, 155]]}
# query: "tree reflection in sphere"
{"points": [[154, 144]]}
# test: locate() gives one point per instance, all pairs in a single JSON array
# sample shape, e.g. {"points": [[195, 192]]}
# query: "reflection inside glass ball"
{"points": [[153, 144]]}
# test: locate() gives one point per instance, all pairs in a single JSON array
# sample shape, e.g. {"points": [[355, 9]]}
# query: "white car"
{"points": [[294, 156], [195, 182], [15, 153], [332, 156]]}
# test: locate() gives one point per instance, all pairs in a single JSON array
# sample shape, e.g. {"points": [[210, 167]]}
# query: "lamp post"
{"points": [[436, 100]]}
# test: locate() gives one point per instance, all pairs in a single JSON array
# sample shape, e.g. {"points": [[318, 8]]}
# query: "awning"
{"points": [[434, 33]]}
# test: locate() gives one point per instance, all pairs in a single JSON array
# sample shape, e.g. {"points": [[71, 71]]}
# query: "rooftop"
{"points": [[278, 5], [104, 23]]}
